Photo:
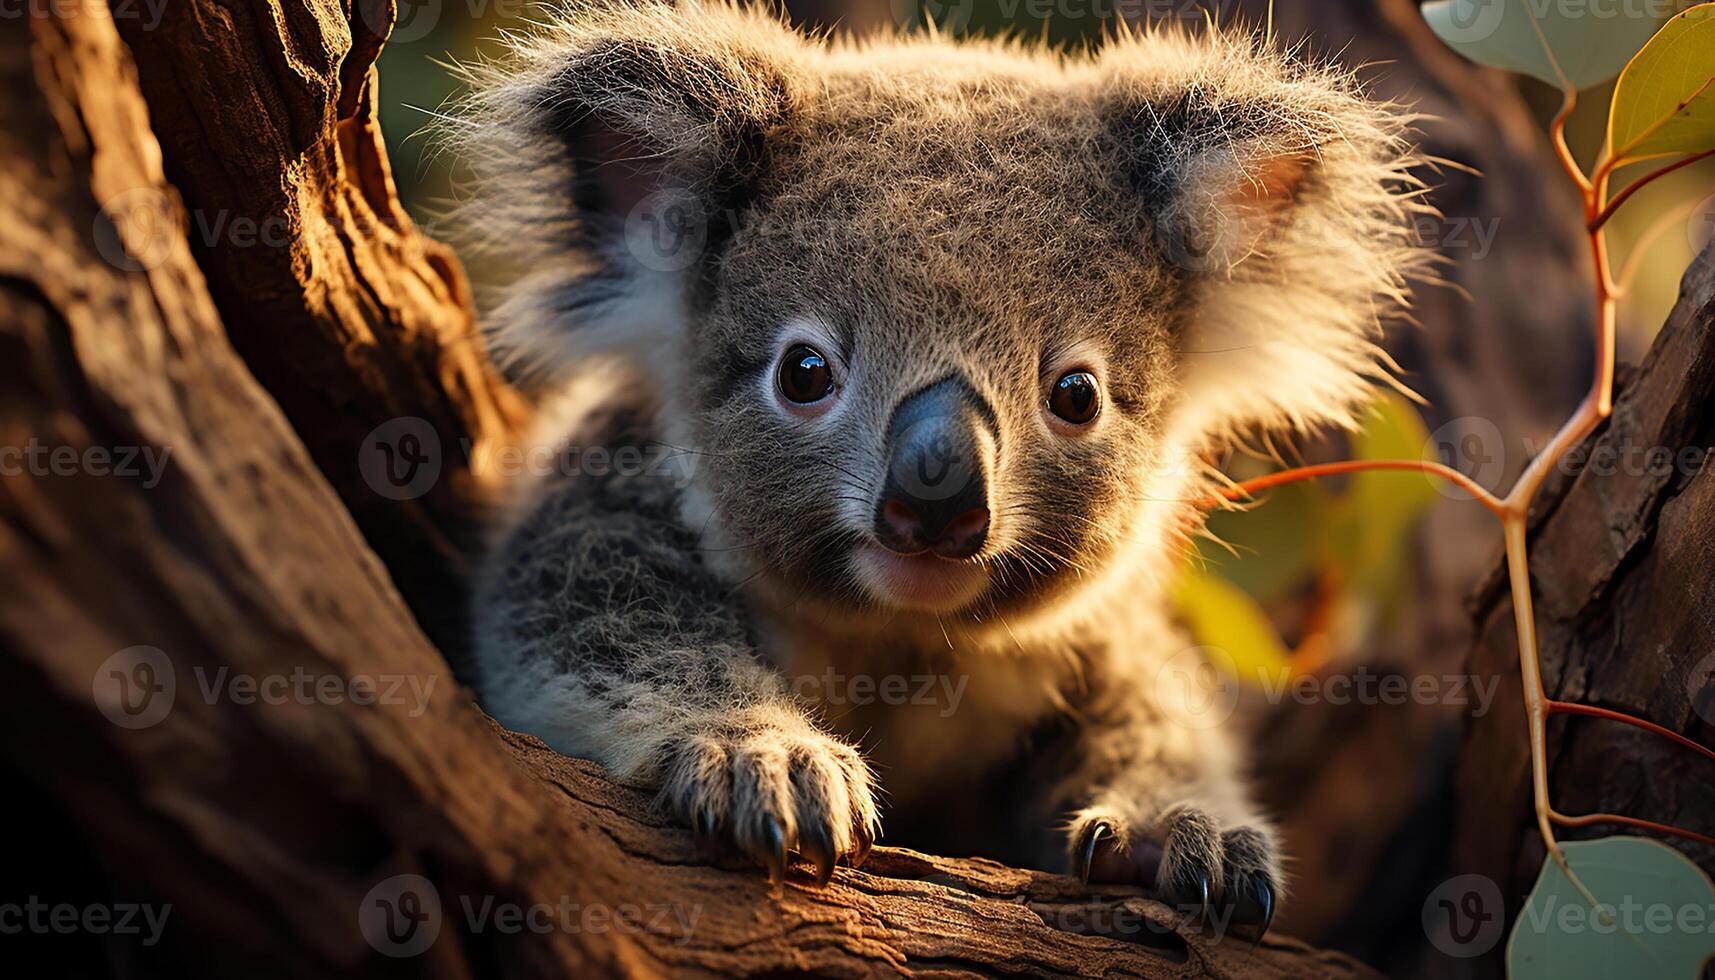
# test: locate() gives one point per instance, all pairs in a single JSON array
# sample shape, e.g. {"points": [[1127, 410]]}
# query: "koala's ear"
{"points": [[613, 154], [1218, 186], [645, 117], [1282, 198]]}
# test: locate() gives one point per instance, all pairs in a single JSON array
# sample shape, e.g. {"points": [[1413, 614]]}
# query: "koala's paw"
{"points": [[772, 790], [1225, 875]]}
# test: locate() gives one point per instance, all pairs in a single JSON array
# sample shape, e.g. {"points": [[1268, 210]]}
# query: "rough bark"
{"points": [[266, 826], [353, 321], [1621, 575]]}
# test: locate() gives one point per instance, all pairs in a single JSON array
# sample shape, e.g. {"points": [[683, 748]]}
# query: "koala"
{"points": [[920, 348]]}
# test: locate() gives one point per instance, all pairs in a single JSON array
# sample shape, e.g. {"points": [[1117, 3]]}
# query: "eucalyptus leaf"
{"points": [[1590, 40], [1665, 101], [1655, 916], [1370, 525], [1270, 550], [1224, 616]]}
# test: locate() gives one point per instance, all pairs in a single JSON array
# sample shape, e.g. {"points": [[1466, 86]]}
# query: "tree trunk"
{"points": [[357, 325], [1621, 566], [213, 696]]}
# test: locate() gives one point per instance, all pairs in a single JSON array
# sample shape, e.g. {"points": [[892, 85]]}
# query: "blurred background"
{"points": [[1363, 579]]}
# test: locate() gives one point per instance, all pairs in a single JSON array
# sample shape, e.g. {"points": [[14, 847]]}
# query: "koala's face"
{"points": [[943, 323], [931, 361]]}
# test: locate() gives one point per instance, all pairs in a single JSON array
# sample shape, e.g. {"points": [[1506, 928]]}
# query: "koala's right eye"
{"points": [[805, 377]]}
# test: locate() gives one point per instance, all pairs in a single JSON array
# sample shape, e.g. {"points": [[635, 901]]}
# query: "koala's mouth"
{"points": [[922, 581]]}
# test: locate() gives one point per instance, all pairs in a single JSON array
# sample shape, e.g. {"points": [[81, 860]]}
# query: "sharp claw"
{"points": [[775, 840], [865, 841], [1086, 852], [1192, 897], [817, 844], [1254, 904], [705, 823]]}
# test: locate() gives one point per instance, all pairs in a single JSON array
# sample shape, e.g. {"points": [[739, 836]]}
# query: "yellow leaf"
{"points": [[1222, 615], [1665, 100]]}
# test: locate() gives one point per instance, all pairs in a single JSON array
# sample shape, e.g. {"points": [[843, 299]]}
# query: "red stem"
{"points": [[1252, 487], [1595, 818], [1572, 708], [1602, 217]]}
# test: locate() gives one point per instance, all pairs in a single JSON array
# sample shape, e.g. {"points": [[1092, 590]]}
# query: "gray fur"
{"points": [[1215, 229]]}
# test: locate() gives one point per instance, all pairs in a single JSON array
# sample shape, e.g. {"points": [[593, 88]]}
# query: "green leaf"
{"points": [[1590, 40], [1270, 550], [1222, 615], [1394, 430], [1665, 101], [1656, 915], [1382, 506]]}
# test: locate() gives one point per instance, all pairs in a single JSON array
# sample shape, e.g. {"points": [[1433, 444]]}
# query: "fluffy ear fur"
{"points": [[1284, 195], [653, 122]]}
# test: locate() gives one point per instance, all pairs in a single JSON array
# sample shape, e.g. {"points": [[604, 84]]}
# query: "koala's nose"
{"points": [[936, 496]]}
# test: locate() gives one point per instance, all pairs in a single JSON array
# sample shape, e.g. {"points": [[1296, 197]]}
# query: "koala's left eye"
{"points": [[805, 376], [1076, 398]]}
